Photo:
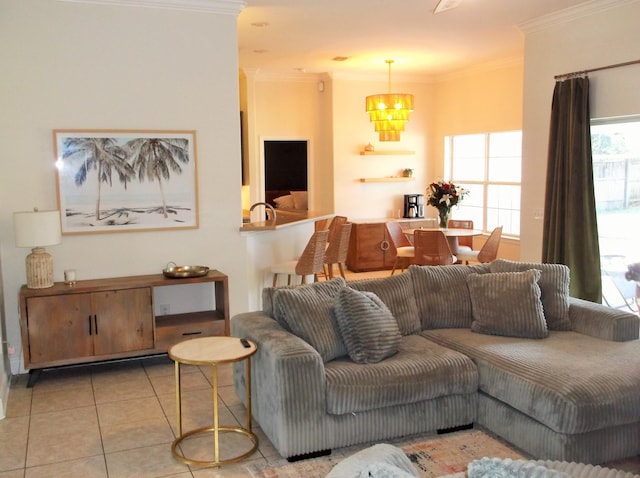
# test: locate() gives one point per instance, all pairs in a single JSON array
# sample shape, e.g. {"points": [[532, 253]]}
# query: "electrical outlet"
{"points": [[538, 214], [165, 309]]}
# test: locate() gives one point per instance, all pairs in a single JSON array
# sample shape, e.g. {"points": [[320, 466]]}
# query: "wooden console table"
{"points": [[104, 319]]}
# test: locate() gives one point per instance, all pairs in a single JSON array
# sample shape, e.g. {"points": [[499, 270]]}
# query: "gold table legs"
{"points": [[216, 429]]}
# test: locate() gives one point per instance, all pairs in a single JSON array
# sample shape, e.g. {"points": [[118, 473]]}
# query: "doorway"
{"points": [[616, 170], [285, 167]]}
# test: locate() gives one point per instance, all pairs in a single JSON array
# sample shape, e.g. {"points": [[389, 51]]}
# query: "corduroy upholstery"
{"points": [[397, 293], [290, 403], [547, 380], [574, 395], [368, 329], [442, 294], [554, 286], [421, 370], [507, 303]]}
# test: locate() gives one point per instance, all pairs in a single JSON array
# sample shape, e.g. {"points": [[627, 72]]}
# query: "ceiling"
{"points": [[290, 37]]}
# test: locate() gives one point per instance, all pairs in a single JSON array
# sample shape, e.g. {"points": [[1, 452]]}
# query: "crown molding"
{"points": [[225, 7], [572, 13]]}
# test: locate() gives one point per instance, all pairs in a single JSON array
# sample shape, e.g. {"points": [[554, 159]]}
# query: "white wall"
{"points": [[5, 370], [291, 108], [567, 45], [352, 130], [74, 65]]}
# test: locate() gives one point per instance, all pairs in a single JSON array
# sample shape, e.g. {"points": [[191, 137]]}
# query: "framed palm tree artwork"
{"points": [[117, 181]]}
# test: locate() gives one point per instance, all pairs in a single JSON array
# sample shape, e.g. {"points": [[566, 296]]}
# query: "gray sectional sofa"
{"points": [[501, 345]]}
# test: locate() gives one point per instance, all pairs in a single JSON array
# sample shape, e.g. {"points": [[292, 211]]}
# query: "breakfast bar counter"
{"points": [[283, 221]]}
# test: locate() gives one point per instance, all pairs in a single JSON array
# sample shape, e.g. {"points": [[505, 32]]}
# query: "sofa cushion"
{"points": [[442, 294], [367, 327], [547, 381], [306, 310], [396, 292], [507, 303], [267, 296], [421, 370], [554, 289]]}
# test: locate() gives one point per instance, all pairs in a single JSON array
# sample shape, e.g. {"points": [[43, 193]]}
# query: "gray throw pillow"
{"points": [[554, 287], [507, 303], [306, 310], [369, 330], [508, 468], [396, 292], [442, 295]]}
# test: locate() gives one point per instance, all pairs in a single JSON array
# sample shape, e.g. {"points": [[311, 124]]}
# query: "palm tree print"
{"points": [[156, 158], [102, 155]]}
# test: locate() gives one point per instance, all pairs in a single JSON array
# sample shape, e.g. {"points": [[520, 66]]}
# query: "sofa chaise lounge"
{"points": [[501, 345]]}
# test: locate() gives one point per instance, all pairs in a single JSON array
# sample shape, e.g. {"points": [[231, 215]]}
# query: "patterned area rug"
{"points": [[432, 457]]}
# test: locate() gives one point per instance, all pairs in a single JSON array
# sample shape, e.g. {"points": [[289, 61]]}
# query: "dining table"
{"points": [[452, 234]]}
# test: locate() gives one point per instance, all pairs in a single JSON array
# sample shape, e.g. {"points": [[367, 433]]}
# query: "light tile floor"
{"points": [[118, 420]]}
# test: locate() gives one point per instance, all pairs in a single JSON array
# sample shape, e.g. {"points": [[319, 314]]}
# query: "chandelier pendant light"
{"points": [[389, 112]]}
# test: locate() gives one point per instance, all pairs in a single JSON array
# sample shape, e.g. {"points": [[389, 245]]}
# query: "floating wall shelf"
{"points": [[386, 153], [385, 180]]}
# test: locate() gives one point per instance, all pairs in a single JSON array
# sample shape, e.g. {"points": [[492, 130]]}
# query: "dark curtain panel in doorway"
{"points": [[570, 234]]}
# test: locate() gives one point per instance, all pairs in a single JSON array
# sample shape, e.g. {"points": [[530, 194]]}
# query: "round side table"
{"points": [[212, 351]]}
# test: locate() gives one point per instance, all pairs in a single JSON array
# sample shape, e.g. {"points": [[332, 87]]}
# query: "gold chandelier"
{"points": [[389, 112]]}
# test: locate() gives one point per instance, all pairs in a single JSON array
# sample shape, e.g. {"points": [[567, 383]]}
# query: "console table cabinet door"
{"points": [[73, 326], [123, 320], [369, 248], [59, 328]]}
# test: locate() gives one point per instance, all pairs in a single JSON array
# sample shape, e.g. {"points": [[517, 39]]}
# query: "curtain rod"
{"points": [[584, 72]]}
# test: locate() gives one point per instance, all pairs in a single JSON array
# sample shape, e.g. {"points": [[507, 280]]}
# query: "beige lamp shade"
{"points": [[37, 229]]}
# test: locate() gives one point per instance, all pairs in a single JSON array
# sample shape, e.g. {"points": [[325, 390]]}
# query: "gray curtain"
{"points": [[570, 234]]}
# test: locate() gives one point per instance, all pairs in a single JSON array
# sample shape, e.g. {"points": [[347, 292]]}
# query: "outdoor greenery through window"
{"points": [[489, 165], [615, 145]]}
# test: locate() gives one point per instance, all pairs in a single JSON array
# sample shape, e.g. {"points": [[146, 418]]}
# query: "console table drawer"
{"points": [[173, 329]]}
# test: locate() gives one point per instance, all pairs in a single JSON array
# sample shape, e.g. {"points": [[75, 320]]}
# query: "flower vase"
{"points": [[443, 214]]}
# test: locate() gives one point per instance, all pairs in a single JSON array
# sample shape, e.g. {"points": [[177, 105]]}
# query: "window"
{"points": [[489, 165], [615, 145]]}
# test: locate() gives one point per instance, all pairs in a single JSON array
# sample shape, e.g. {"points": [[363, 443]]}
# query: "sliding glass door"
{"points": [[616, 171]]}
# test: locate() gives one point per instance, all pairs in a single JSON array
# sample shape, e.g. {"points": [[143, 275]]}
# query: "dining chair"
{"points": [[337, 249], [321, 224], [334, 227], [400, 244], [487, 253], [432, 248], [311, 262], [465, 243]]}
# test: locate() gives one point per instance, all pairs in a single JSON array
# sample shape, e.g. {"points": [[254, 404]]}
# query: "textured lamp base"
{"points": [[39, 269]]}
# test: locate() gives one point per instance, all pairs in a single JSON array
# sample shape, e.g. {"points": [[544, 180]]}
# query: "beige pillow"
{"points": [[507, 303], [300, 199], [284, 202]]}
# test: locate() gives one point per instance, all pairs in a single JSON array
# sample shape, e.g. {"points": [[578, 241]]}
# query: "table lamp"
{"points": [[37, 229]]}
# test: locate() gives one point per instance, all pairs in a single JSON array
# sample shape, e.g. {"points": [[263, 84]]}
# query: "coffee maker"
{"points": [[414, 206]]}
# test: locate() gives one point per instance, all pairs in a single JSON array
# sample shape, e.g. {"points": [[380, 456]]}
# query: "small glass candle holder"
{"points": [[70, 276]]}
